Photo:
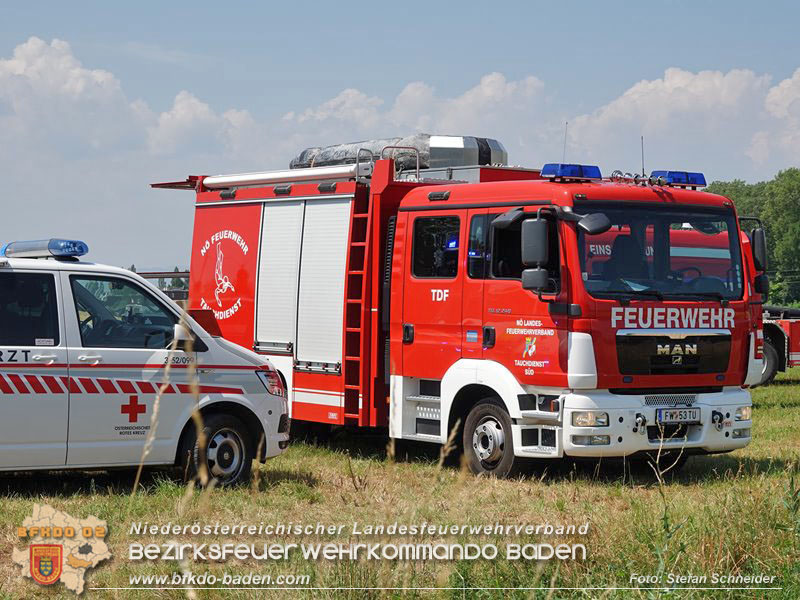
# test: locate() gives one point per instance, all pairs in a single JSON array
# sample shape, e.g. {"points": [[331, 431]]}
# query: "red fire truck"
{"points": [[781, 341], [538, 313]]}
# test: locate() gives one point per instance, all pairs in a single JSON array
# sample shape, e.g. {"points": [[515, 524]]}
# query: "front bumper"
{"points": [[276, 423], [627, 435]]}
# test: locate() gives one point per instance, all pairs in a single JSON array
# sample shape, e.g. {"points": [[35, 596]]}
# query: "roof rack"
{"points": [[337, 172]]}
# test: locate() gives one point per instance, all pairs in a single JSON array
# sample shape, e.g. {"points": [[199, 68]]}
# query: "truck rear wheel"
{"points": [[770, 368], [228, 451], [487, 440]]}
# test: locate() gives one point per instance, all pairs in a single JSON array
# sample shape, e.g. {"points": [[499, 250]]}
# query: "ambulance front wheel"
{"points": [[488, 441], [228, 450]]}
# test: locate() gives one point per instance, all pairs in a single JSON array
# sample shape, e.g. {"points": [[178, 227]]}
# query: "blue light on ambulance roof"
{"points": [[687, 178], [44, 248], [566, 171]]}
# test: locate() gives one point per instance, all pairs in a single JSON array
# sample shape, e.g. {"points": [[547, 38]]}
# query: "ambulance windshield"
{"points": [[662, 252]]}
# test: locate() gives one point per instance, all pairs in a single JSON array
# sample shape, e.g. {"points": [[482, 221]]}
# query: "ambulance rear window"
{"points": [[28, 310]]}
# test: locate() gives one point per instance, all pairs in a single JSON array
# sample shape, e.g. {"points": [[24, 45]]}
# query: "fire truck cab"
{"points": [[530, 314]]}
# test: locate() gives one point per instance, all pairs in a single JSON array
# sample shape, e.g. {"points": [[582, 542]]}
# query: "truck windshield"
{"points": [[662, 252]]}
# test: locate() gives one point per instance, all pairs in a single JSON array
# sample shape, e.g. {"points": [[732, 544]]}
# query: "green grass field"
{"points": [[729, 514]]}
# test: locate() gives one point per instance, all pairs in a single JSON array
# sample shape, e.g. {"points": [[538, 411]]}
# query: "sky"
{"points": [[99, 99]]}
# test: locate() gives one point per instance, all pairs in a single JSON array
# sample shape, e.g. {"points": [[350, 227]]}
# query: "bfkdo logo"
{"points": [[60, 548], [223, 301], [46, 562]]}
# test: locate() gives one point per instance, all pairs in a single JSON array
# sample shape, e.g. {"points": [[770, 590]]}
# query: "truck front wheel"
{"points": [[770, 368], [487, 439]]}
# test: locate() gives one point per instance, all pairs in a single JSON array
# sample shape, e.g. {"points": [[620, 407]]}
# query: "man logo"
{"points": [[46, 563], [676, 350]]}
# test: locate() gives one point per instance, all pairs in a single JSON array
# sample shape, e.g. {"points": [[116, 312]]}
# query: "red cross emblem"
{"points": [[133, 409]]}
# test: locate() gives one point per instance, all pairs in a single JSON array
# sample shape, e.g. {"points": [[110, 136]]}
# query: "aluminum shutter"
{"points": [[320, 311], [279, 264]]}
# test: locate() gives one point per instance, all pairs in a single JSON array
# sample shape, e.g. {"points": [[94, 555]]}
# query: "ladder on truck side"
{"points": [[355, 368]]}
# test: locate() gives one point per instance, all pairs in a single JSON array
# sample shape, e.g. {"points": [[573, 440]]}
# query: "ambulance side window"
{"points": [[28, 310], [115, 313], [435, 247]]}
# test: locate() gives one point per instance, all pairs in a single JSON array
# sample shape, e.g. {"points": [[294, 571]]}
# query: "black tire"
{"points": [[229, 450], [770, 363], [487, 440]]}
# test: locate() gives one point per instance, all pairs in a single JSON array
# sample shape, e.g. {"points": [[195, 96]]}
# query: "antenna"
{"points": [[643, 171], [564, 153]]}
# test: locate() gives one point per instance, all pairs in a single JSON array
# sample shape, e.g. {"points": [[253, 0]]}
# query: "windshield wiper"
{"points": [[714, 295], [653, 293], [627, 293]]}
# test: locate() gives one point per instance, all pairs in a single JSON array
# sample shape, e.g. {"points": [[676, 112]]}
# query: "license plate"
{"points": [[678, 415]]}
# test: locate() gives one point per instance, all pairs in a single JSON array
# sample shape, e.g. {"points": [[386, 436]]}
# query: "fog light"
{"points": [[591, 440], [744, 413], [741, 433], [587, 418]]}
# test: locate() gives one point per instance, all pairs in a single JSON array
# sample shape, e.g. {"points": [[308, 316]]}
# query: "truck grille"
{"points": [[664, 355], [669, 399]]}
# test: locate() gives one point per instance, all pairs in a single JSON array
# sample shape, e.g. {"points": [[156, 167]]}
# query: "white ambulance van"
{"points": [[83, 354]]}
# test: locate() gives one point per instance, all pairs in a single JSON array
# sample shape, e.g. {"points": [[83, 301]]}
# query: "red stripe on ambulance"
{"points": [[4, 387], [34, 382], [18, 383]]}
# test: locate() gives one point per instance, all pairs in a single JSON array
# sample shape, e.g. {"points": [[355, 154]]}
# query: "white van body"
{"points": [[82, 360]]}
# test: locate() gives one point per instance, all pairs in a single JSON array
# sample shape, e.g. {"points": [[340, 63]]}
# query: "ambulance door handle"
{"points": [[489, 337], [408, 333], [44, 357], [90, 358]]}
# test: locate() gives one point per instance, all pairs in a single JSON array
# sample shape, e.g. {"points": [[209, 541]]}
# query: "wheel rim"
{"points": [[766, 366], [225, 454], [488, 441]]}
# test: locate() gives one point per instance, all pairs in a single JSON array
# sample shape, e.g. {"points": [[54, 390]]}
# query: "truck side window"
{"points": [[476, 252], [28, 311], [435, 247], [115, 313], [506, 254]]}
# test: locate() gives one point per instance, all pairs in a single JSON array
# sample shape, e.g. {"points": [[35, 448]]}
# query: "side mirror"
{"points": [[759, 240], [595, 223], [535, 242], [761, 285], [535, 279], [181, 333]]}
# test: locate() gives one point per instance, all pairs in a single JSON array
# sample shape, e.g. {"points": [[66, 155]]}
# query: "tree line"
{"points": [[777, 203]]}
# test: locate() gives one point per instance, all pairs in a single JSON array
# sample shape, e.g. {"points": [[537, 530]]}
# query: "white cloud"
{"points": [[783, 136], [191, 124], [349, 106], [71, 137], [689, 120], [495, 107], [55, 101]]}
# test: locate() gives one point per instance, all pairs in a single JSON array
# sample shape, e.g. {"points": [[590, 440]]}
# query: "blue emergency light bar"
{"points": [[44, 249], [680, 178], [565, 171]]}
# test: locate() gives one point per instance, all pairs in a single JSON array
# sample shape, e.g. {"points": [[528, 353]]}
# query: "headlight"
{"points": [[744, 413], [272, 382], [741, 433], [587, 418]]}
